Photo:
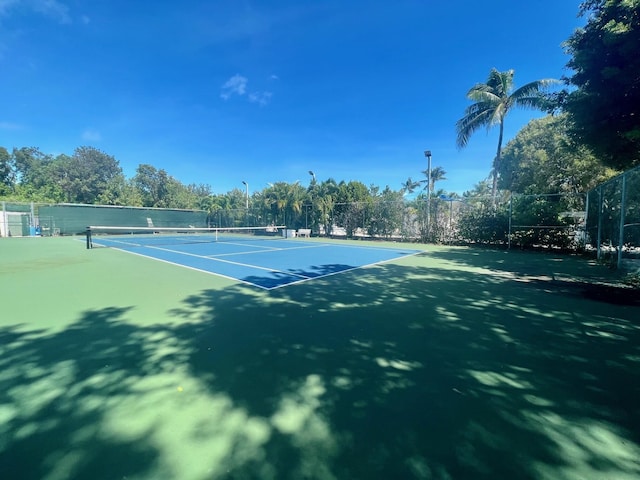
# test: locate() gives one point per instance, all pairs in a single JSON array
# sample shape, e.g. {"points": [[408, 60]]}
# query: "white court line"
{"points": [[224, 261], [245, 245], [370, 247], [182, 265], [303, 278], [344, 271], [259, 268], [265, 251]]}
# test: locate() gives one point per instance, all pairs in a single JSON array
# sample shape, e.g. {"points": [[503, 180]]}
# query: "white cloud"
{"points": [[5, 5], [236, 85], [53, 9], [91, 135], [50, 8], [261, 98], [10, 126]]}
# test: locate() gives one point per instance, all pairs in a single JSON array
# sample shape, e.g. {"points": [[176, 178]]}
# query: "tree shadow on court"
{"points": [[573, 274], [53, 391], [396, 371], [273, 279], [427, 374]]}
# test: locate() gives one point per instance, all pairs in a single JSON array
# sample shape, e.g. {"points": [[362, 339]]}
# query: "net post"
{"points": [[89, 238]]}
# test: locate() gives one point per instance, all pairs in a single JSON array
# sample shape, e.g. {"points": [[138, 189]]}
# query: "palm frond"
{"points": [[477, 116], [485, 96], [501, 83], [533, 87]]}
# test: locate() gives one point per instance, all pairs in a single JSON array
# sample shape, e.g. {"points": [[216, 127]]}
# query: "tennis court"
{"points": [[455, 363], [265, 261]]}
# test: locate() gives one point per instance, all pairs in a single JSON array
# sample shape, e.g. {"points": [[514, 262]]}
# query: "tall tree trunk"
{"points": [[496, 164]]}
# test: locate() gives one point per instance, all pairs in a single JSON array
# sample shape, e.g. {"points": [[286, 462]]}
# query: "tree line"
{"points": [[591, 133]]}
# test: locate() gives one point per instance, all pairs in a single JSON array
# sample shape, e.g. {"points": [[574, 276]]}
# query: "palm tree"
{"points": [[410, 185], [437, 174], [284, 200], [493, 100]]}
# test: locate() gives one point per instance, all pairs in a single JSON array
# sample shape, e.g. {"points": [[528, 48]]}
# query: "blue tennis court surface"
{"points": [[267, 264]]}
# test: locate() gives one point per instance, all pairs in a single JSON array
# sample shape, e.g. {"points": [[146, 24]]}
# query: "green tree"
{"points": [[223, 209], [543, 158], [437, 175], [410, 185], [38, 176], [285, 201], [493, 101], [155, 186], [606, 71], [386, 214], [352, 202], [325, 195], [120, 191], [87, 174], [6, 172]]}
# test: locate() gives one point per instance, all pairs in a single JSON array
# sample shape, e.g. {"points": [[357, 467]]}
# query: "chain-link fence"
{"points": [[550, 220], [519, 221], [29, 219], [613, 218], [17, 219], [605, 219]]}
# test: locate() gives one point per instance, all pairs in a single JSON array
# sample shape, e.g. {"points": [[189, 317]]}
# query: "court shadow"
{"points": [[396, 371], [411, 372], [572, 274], [274, 279], [55, 390]]}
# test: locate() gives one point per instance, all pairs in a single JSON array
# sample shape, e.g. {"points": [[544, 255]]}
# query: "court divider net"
{"points": [[125, 237]]}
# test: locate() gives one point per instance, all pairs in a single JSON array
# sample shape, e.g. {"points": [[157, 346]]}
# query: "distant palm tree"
{"points": [[285, 201], [437, 174], [493, 100], [410, 185]]}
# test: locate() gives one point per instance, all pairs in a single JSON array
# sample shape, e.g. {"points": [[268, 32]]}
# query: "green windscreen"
{"points": [[71, 219]]}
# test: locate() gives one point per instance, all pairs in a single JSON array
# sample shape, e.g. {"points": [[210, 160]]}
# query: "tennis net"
{"points": [[125, 237]]}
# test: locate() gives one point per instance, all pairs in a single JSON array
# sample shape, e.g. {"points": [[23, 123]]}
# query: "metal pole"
{"points": [[247, 200], [586, 221], [312, 187], [510, 213], [451, 221], [427, 153], [600, 207], [623, 202]]}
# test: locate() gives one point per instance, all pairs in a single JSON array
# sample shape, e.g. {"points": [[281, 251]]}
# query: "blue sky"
{"points": [[218, 92]]}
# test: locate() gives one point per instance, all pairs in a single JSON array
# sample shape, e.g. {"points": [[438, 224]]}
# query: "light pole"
{"points": [[306, 216], [247, 200], [427, 153]]}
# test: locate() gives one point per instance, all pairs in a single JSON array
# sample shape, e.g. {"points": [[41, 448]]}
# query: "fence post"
{"points": [[600, 207], [623, 196], [586, 220], [510, 212]]}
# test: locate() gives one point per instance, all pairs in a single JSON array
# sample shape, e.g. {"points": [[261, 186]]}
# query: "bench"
{"points": [[304, 232]]}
